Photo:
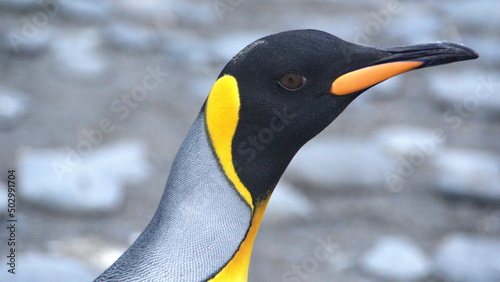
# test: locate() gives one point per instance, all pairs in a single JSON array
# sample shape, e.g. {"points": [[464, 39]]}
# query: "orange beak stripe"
{"points": [[365, 77]]}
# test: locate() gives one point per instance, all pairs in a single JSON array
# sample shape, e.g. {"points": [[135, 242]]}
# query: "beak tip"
{"points": [[466, 52], [448, 52]]}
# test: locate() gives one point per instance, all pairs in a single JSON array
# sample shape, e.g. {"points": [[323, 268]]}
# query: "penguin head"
{"points": [[289, 75], [293, 84]]}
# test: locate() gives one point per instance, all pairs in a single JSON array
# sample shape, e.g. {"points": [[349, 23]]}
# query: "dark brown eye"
{"points": [[292, 81]]}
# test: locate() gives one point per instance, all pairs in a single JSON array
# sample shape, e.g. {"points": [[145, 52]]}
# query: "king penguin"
{"points": [[268, 101]]}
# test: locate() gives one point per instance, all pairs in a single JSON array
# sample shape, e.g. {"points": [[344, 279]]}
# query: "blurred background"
{"points": [[96, 97]]}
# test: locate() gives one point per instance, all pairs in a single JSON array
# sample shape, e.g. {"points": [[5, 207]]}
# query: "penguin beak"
{"points": [[398, 60]]}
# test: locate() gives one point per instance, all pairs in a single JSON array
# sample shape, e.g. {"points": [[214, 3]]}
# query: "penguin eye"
{"points": [[292, 81]]}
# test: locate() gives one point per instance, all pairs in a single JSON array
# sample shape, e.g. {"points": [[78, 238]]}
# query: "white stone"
{"points": [[200, 13], [227, 46], [287, 202], [468, 173], [59, 180], [159, 11], [78, 56], [346, 26], [201, 86], [467, 93], [132, 38], [3, 197], [187, 48], [468, 258], [13, 106], [106, 256], [19, 42], [472, 14], [19, 5], [47, 268], [403, 140], [421, 24], [389, 89], [396, 258], [87, 11], [340, 161]]}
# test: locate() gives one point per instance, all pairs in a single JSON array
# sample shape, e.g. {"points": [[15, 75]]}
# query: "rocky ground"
{"points": [[404, 185]]}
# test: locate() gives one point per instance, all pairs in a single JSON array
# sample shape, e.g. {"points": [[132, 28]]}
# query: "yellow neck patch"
{"points": [[237, 268], [222, 116]]}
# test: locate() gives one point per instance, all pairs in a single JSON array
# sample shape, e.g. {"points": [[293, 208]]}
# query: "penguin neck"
{"points": [[237, 268], [216, 198], [220, 134], [200, 226], [199, 190]]}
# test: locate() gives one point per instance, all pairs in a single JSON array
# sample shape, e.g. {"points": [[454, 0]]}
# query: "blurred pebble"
{"points": [[46, 268], [473, 258], [200, 87], [466, 93], [158, 11], [21, 42], [414, 24], [485, 46], [166, 14], [226, 46], [403, 140], [194, 14], [67, 181], [102, 253], [86, 11], [19, 5], [287, 202], [188, 49], [396, 258], [106, 256], [78, 56], [468, 173], [13, 106], [472, 14], [344, 161], [345, 27], [389, 89], [131, 38], [3, 197]]}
